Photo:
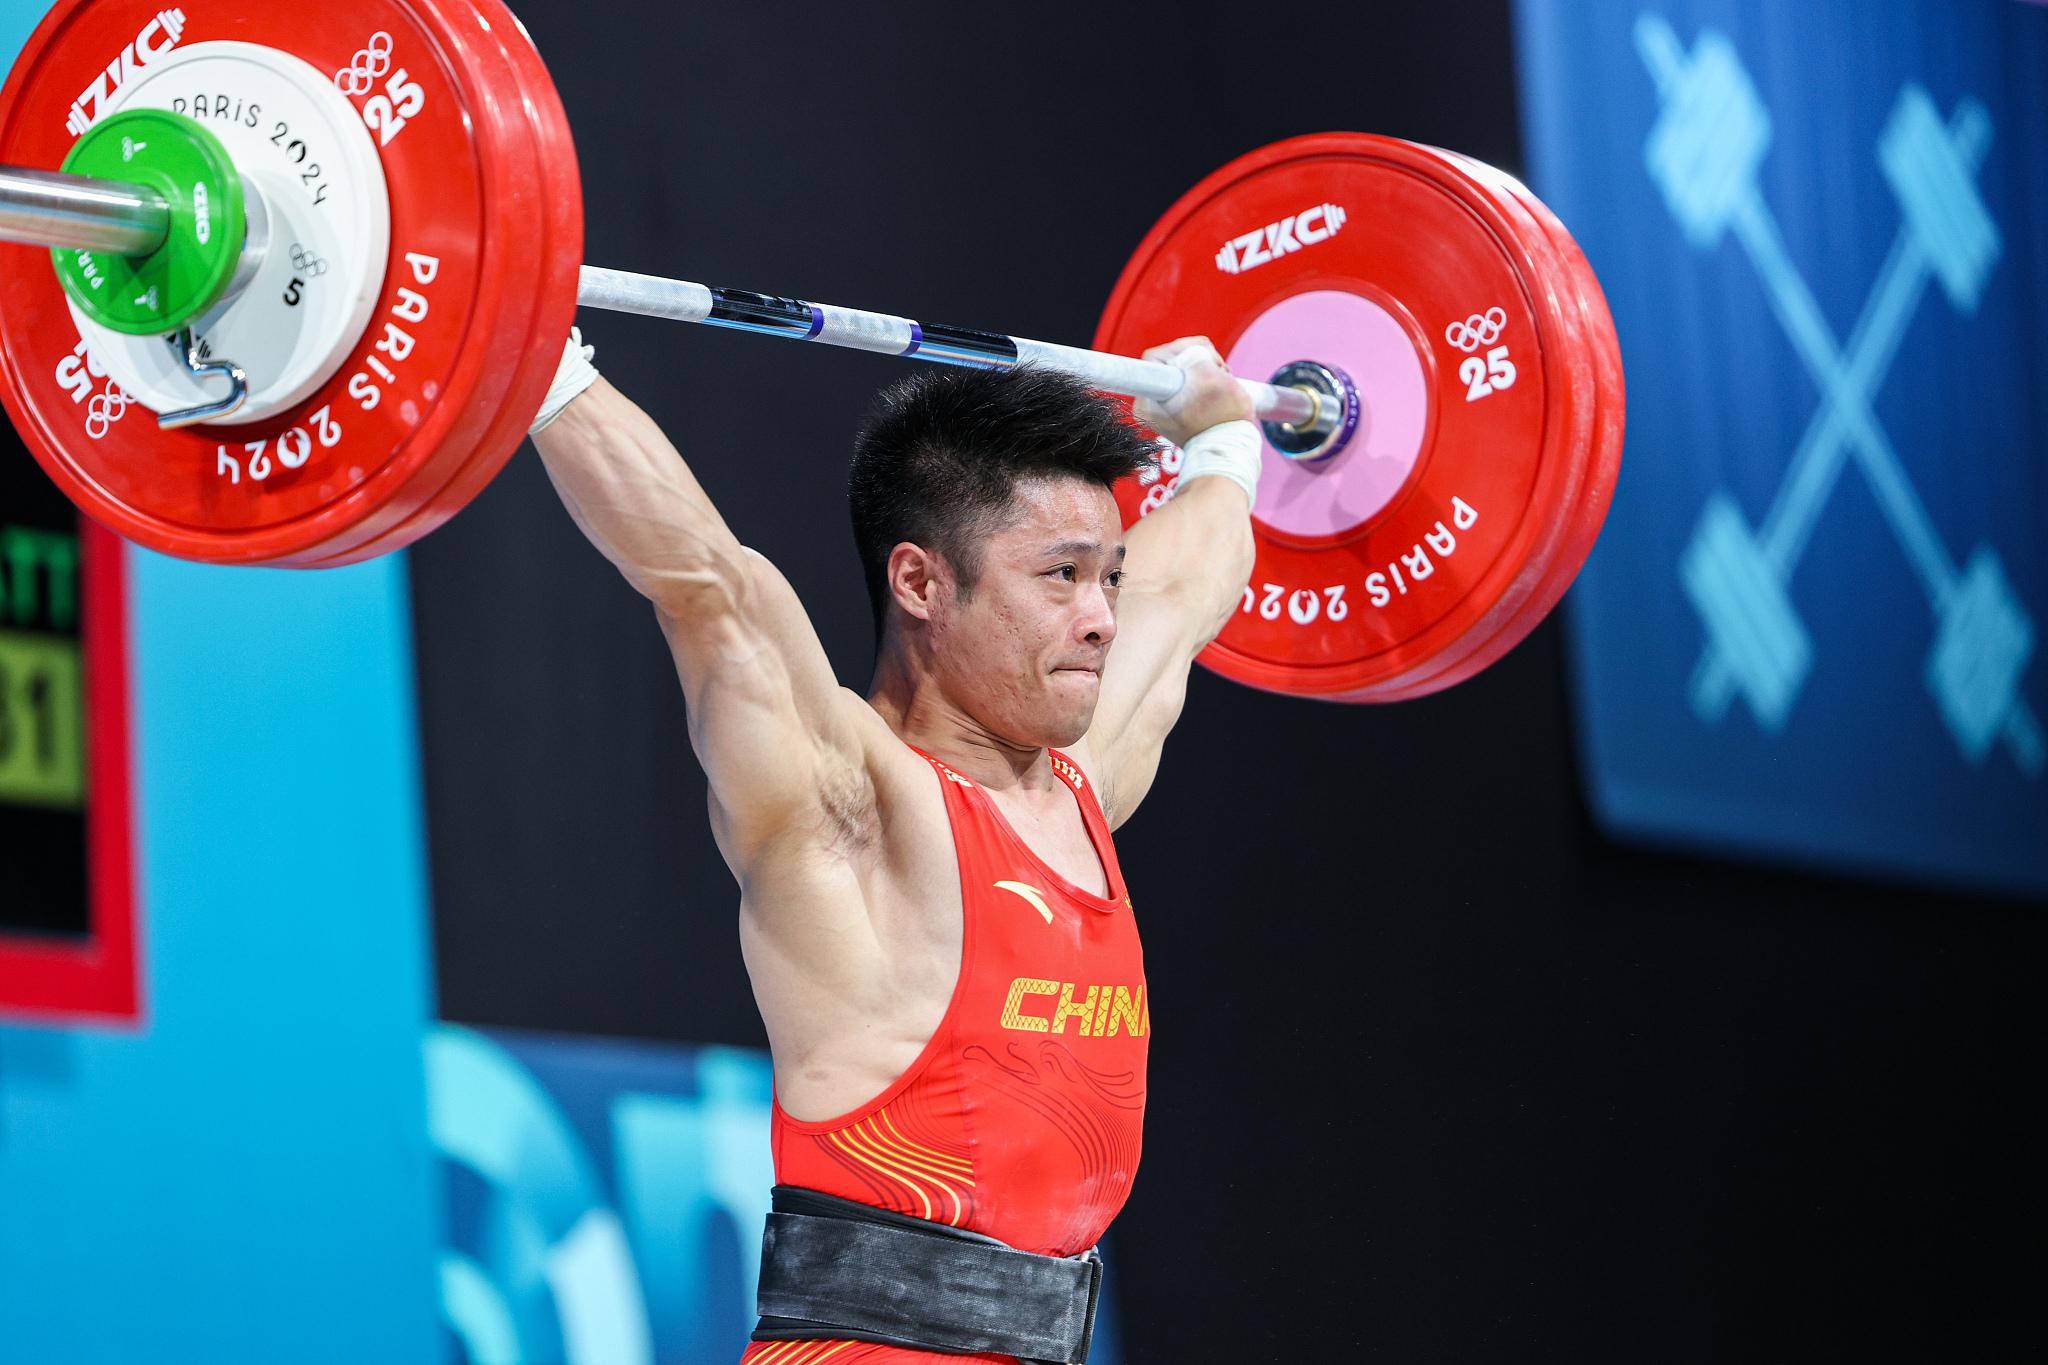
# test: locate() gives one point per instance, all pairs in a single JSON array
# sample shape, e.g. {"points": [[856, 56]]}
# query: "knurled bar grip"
{"points": [[622, 291]]}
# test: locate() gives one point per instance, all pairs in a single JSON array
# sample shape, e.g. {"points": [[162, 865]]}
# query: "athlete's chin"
{"points": [[1069, 709], [1067, 733]]}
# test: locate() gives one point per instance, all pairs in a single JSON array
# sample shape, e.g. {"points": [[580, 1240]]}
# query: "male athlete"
{"points": [[939, 939]]}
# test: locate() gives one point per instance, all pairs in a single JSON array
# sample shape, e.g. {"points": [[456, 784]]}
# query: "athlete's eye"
{"points": [[1065, 572], [1116, 578]]}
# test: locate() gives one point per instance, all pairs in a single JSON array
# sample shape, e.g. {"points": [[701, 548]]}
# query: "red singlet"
{"points": [[1021, 1118]]}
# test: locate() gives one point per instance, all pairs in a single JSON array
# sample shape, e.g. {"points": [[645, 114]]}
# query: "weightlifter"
{"points": [[939, 939]]}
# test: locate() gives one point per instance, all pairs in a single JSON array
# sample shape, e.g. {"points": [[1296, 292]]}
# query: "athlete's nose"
{"points": [[1096, 623]]}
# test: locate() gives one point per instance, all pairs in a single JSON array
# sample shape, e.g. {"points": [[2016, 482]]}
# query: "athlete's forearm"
{"points": [[1185, 572], [629, 490], [1196, 550]]}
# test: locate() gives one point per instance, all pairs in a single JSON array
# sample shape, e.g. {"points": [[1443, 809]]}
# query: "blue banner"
{"points": [[1809, 630]]}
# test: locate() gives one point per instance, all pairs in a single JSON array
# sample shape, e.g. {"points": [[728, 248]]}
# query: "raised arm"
{"points": [[1185, 571], [771, 726]]}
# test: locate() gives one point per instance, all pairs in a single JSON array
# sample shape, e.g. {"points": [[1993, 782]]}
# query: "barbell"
{"points": [[308, 273]]}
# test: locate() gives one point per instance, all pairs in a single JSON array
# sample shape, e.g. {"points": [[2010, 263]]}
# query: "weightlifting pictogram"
{"points": [[1703, 153]]}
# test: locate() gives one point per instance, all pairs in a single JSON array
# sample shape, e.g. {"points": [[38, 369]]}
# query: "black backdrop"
{"points": [[1439, 1074]]}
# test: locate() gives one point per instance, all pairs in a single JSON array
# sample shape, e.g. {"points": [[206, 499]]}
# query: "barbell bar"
{"points": [[49, 208], [1299, 407], [76, 212]]}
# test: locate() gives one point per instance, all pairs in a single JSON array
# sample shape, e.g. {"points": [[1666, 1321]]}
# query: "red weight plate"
{"points": [[1404, 563], [550, 326], [1594, 466], [1592, 304], [1610, 433], [486, 236]]}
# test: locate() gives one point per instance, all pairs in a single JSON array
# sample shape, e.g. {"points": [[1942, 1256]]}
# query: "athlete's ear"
{"points": [[914, 574]]}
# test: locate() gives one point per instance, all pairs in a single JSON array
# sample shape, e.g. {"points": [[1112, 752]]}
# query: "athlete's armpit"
{"points": [[784, 746]]}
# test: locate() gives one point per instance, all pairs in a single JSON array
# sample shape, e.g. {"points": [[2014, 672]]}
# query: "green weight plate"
{"points": [[182, 161]]}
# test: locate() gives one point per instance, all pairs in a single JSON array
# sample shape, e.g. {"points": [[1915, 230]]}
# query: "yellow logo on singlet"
{"points": [[1031, 894], [1103, 1008]]}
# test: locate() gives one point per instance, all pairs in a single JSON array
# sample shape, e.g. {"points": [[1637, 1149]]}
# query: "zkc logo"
{"points": [[168, 25], [1275, 240]]}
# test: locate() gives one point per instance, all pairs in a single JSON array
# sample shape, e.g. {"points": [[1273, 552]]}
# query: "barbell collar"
{"points": [[622, 291], [187, 349], [50, 208]]}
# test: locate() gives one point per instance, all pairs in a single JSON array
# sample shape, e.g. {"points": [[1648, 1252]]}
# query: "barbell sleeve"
{"points": [[50, 208], [622, 291]]}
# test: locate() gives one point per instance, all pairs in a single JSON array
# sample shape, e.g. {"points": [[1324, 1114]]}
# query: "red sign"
{"points": [[94, 975]]}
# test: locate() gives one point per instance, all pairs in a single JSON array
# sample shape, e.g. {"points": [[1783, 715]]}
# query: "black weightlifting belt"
{"points": [[834, 1269]]}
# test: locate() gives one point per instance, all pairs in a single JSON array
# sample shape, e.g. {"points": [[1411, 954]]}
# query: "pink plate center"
{"points": [[1362, 339]]}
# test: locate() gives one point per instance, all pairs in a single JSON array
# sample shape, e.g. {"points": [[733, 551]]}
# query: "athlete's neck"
{"points": [[910, 700]]}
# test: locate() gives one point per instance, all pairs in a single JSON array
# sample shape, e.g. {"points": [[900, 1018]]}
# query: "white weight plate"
{"points": [[300, 144]]}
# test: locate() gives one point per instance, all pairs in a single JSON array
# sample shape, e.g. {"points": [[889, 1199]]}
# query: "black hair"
{"points": [[941, 456]]}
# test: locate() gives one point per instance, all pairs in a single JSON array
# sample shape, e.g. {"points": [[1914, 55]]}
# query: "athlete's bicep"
{"points": [[778, 738]]}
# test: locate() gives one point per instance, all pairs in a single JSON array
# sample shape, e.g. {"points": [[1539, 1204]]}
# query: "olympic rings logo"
{"points": [[1160, 478], [306, 263], [359, 77], [1477, 330], [106, 409]]}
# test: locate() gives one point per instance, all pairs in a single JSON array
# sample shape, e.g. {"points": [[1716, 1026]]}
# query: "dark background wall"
{"points": [[1439, 1073]]}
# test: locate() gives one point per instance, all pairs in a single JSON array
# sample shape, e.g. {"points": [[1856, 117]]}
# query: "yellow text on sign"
{"points": [[42, 735]]}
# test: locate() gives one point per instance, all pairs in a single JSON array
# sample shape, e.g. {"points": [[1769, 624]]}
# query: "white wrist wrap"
{"points": [[1230, 449], [572, 376]]}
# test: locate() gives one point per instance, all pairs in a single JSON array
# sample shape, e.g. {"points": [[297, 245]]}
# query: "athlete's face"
{"points": [[1023, 652]]}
